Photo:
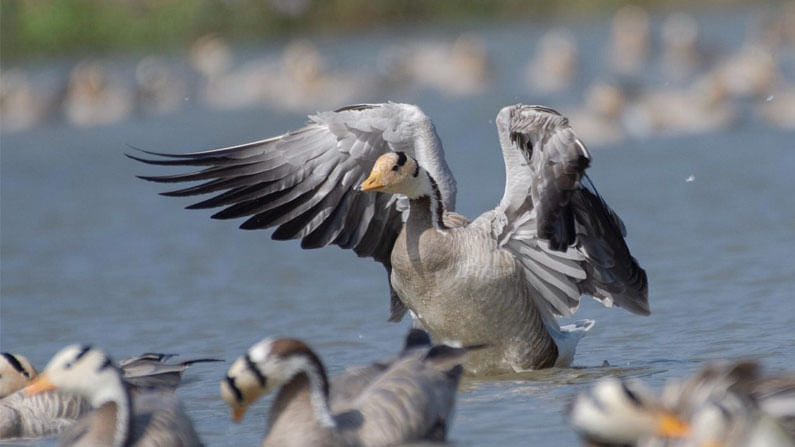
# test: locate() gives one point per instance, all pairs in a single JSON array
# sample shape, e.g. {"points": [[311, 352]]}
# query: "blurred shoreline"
{"points": [[635, 74], [35, 29]]}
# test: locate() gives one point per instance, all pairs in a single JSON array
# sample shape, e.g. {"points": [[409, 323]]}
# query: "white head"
{"points": [[82, 370], [269, 365], [16, 372], [398, 173], [620, 412]]}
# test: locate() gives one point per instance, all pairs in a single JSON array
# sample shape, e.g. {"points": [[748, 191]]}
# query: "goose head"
{"points": [[398, 173], [615, 411], [82, 370], [16, 372], [267, 366]]}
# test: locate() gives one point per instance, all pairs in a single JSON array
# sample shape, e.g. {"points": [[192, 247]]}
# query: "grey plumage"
{"points": [[120, 417], [551, 239], [408, 398], [725, 404], [50, 413]]}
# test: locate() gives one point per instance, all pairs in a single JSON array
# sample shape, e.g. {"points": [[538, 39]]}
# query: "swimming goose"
{"points": [[498, 281], [723, 405], [411, 399], [47, 414], [614, 412], [152, 417]]}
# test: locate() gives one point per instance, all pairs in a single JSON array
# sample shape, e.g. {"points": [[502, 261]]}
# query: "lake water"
{"points": [[92, 254]]}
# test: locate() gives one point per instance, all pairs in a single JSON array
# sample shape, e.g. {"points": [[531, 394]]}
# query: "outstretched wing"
{"points": [[566, 237], [303, 182]]}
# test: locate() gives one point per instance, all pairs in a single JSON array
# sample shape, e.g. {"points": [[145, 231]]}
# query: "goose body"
{"points": [[409, 398], [144, 417], [500, 280], [47, 414]]}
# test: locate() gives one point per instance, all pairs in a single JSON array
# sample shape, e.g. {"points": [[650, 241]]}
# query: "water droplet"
{"points": [[691, 179]]}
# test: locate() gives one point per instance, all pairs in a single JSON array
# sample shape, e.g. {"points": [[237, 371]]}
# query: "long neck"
{"points": [[119, 395], [428, 209], [291, 403]]}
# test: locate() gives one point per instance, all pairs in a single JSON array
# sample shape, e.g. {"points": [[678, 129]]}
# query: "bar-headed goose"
{"points": [[408, 399], [723, 405], [16, 372], [149, 417], [616, 413], [47, 414], [498, 281]]}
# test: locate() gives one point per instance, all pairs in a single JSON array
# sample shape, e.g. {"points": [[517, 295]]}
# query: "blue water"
{"points": [[92, 254]]}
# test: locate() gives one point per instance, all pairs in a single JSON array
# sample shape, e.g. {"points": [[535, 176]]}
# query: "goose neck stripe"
{"points": [[254, 369]]}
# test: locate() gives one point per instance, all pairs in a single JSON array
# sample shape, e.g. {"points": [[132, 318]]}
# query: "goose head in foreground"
{"points": [[119, 418], [16, 372], [499, 280], [617, 412], [409, 398], [725, 404], [269, 365], [79, 369]]}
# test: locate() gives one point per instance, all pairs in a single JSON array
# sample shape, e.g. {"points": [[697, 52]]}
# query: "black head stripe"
{"points": [[416, 170], [255, 369], [632, 396], [235, 390], [401, 158], [108, 363], [83, 350], [16, 364]]}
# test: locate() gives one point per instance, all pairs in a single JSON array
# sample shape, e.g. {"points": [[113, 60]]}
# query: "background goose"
{"points": [[408, 399], [50, 413], [499, 281], [723, 405]]}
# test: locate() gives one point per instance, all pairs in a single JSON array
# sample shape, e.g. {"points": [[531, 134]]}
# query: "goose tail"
{"points": [[566, 338]]}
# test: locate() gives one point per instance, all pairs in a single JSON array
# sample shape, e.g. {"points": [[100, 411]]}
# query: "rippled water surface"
{"points": [[91, 254]]}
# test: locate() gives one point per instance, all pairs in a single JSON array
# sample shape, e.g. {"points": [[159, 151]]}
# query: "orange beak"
{"points": [[372, 183], [39, 385], [238, 411], [671, 426]]}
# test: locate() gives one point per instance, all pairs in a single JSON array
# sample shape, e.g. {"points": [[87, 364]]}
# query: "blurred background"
{"points": [[619, 70], [688, 109]]}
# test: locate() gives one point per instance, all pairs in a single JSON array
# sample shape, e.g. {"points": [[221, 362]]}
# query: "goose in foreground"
{"points": [[500, 280], [410, 398], [79, 378], [620, 413], [723, 405]]}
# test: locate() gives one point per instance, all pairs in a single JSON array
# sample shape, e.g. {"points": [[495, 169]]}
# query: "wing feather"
{"points": [[565, 236], [303, 182]]}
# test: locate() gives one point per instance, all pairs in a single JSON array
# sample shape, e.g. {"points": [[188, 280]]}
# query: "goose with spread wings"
{"points": [[373, 178]]}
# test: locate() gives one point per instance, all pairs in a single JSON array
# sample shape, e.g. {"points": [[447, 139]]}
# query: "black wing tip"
{"points": [[416, 338], [201, 360]]}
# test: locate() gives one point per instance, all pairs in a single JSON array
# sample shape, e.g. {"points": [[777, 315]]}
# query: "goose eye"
{"points": [[395, 168], [69, 365]]}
